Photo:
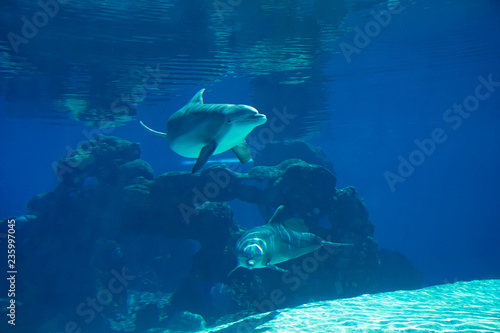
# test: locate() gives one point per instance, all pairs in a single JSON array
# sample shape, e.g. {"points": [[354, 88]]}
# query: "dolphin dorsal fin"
{"points": [[276, 214], [198, 98]]}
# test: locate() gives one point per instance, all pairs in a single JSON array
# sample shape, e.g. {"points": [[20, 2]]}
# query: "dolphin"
{"points": [[201, 130], [270, 244]]}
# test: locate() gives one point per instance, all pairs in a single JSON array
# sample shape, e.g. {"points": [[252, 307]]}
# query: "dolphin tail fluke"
{"points": [[152, 130], [205, 154]]}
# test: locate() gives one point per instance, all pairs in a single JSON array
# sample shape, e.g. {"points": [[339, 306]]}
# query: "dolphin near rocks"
{"points": [[201, 130], [270, 244]]}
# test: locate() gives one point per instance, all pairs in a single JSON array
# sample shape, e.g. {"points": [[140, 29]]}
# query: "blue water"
{"points": [[365, 100]]}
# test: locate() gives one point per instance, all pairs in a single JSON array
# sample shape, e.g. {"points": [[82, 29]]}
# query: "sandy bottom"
{"points": [[460, 307]]}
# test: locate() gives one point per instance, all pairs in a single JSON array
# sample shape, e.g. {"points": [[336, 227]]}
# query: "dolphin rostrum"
{"points": [[271, 244], [201, 130]]}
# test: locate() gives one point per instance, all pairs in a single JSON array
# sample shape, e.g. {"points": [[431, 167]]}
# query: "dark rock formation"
{"points": [[397, 272], [110, 228], [275, 152]]}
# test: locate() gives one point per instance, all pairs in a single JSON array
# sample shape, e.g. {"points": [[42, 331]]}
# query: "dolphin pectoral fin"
{"points": [[232, 271], [153, 131], [242, 152], [276, 268], [205, 154]]}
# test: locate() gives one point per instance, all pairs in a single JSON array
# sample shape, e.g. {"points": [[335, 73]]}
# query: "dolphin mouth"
{"points": [[257, 116]]}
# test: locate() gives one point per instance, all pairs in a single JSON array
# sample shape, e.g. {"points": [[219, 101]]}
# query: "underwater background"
{"points": [[398, 102]]}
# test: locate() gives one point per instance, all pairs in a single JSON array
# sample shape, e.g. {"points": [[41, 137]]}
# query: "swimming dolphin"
{"points": [[271, 244], [201, 130]]}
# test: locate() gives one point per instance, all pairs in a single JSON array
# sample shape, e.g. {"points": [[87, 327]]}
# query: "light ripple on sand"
{"points": [[460, 307]]}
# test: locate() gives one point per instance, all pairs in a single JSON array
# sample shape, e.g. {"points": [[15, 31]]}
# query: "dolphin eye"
{"points": [[228, 121]]}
